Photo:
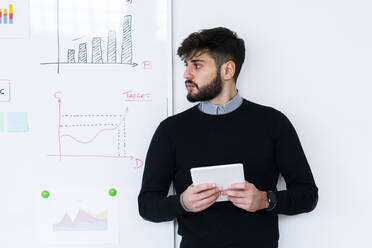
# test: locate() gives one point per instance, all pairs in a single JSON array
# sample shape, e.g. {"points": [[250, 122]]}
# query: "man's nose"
{"points": [[188, 73]]}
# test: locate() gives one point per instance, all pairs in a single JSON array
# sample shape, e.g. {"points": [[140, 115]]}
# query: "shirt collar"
{"points": [[213, 109]]}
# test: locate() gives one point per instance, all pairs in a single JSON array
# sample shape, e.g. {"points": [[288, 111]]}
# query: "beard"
{"points": [[207, 92]]}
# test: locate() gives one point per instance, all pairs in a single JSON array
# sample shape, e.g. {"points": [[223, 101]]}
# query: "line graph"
{"points": [[92, 135], [95, 136]]}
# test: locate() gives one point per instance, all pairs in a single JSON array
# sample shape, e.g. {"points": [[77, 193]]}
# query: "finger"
{"points": [[207, 205], [242, 185], [242, 206], [203, 204], [205, 201], [234, 193], [207, 193], [238, 200], [205, 186]]}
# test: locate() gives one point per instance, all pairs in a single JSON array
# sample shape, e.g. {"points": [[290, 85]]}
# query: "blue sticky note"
{"points": [[17, 122]]}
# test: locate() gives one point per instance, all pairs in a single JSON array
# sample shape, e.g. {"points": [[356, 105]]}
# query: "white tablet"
{"points": [[222, 175]]}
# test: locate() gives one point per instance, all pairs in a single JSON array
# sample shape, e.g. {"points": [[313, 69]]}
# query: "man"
{"points": [[224, 129]]}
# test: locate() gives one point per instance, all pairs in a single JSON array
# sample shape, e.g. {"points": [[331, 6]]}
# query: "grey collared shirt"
{"points": [[213, 109]]}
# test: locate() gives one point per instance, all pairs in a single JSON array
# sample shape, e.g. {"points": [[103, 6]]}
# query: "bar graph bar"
{"points": [[82, 53], [71, 56], [6, 17], [96, 51], [111, 47], [10, 13], [126, 47]]}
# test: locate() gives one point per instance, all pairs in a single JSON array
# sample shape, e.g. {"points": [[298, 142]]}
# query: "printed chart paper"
{"points": [[80, 217], [14, 18]]}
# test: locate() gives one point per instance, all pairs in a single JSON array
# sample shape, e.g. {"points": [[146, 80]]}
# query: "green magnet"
{"points": [[112, 192], [45, 194]]}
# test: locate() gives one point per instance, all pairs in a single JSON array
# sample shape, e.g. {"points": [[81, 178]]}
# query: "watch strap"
{"points": [[272, 199]]}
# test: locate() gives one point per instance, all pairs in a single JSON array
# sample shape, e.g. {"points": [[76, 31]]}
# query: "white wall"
{"points": [[312, 60]]}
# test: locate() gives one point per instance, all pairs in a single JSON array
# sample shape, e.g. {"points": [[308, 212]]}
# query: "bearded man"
{"points": [[224, 128]]}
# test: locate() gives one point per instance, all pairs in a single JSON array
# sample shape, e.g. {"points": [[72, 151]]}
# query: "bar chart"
{"points": [[14, 19], [111, 56], [115, 48], [6, 15]]}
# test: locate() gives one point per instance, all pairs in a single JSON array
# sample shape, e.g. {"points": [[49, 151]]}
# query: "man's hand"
{"points": [[199, 197], [246, 196]]}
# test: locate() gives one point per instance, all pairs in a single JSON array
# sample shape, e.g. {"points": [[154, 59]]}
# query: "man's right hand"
{"points": [[199, 197]]}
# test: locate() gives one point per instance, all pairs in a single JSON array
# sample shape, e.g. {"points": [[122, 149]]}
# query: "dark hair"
{"points": [[220, 43]]}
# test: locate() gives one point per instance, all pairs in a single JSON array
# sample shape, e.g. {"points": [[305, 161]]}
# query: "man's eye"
{"points": [[197, 66]]}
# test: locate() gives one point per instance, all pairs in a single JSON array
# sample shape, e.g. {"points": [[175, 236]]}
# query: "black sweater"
{"points": [[261, 138]]}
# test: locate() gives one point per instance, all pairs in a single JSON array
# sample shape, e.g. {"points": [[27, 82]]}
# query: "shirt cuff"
{"points": [[183, 204]]}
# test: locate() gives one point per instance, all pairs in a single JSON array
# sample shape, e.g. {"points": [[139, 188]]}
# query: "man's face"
{"points": [[203, 80]]}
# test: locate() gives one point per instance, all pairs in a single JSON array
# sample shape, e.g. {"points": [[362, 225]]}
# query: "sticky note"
{"points": [[4, 90], [1, 122], [17, 122]]}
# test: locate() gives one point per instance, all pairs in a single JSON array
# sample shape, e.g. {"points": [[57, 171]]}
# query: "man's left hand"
{"points": [[246, 196]]}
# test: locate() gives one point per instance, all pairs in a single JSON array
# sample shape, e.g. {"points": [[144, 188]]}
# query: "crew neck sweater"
{"points": [[259, 137]]}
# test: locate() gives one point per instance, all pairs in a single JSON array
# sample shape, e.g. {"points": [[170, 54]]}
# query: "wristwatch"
{"points": [[271, 198]]}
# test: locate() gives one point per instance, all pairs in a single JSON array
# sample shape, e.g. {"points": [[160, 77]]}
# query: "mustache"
{"points": [[191, 82]]}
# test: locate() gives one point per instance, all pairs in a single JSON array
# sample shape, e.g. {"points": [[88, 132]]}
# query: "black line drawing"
{"points": [[122, 137], [82, 53], [96, 51], [58, 38], [111, 47], [126, 47], [71, 56], [78, 38]]}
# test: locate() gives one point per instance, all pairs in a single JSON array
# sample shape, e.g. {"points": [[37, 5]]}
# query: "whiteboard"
{"points": [[83, 85]]}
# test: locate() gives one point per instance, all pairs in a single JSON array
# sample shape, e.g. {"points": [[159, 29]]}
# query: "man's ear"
{"points": [[228, 70]]}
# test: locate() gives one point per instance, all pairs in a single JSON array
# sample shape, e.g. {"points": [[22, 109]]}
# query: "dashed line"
{"points": [[118, 141], [91, 125], [125, 138], [91, 115]]}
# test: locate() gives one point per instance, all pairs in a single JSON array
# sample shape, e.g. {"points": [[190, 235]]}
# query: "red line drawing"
{"points": [[131, 96], [146, 65], [2, 92], [95, 136], [58, 96], [139, 162]]}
